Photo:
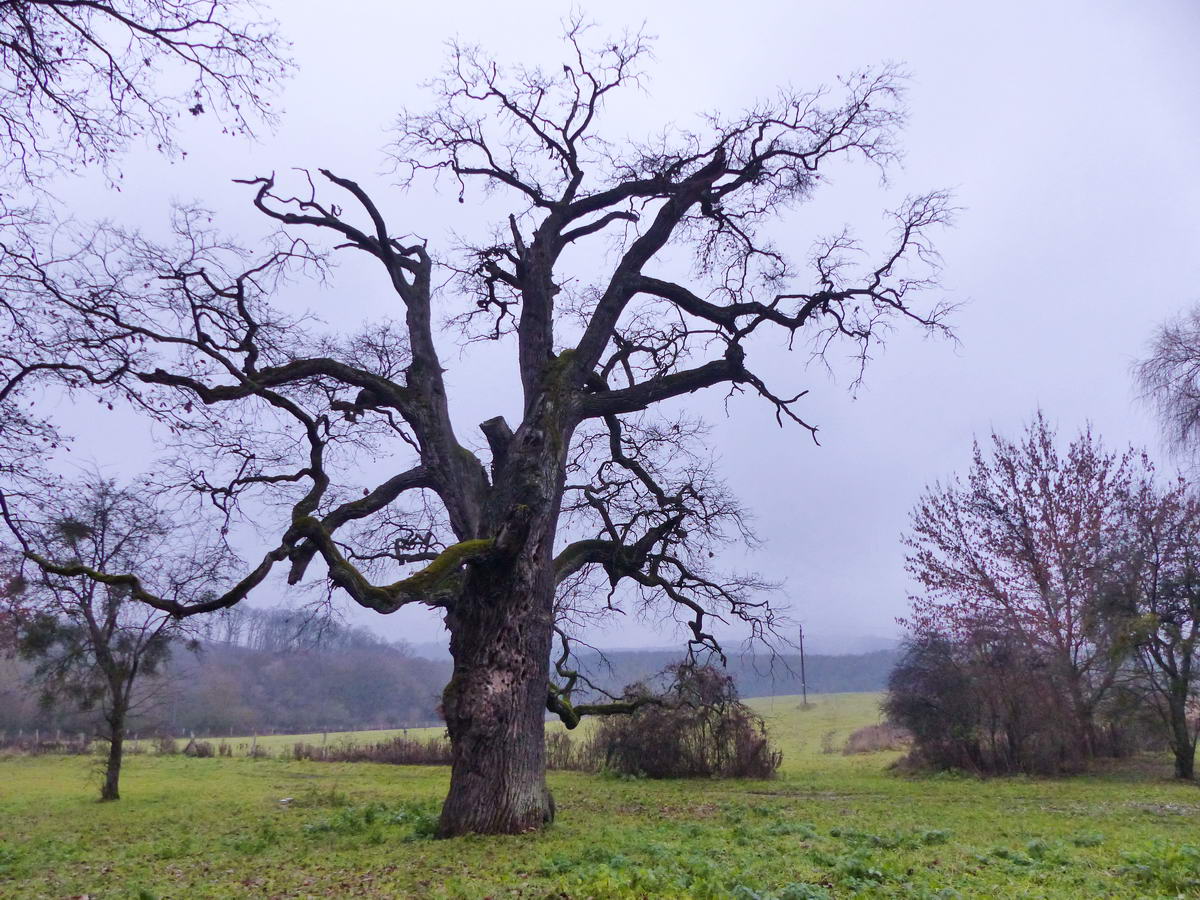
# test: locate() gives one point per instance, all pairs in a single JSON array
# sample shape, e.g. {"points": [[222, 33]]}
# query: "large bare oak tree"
{"points": [[625, 276]]}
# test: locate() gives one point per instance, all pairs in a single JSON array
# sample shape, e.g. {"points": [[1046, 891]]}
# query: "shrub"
{"points": [[34, 746], [199, 749], [699, 728], [984, 704], [166, 746], [562, 753], [877, 738], [399, 751]]}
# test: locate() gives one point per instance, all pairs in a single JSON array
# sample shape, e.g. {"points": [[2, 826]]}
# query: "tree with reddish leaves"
{"points": [[623, 276], [1027, 545]]}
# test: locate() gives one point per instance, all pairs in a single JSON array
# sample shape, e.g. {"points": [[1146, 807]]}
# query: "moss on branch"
{"points": [[445, 565], [420, 586]]}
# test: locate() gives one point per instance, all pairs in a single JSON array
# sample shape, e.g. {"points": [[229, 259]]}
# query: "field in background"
{"points": [[826, 723], [809, 735], [278, 743], [829, 826]]}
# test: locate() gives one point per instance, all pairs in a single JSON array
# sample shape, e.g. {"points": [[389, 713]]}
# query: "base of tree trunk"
{"points": [[498, 779], [495, 703], [110, 790], [511, 814], [1185, 768]]}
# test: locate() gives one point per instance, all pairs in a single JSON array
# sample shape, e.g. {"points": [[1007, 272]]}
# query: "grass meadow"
{"points": [[828, 826]]}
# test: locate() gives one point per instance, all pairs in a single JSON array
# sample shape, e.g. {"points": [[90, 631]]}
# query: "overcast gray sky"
{"points": [[1069, 131]]}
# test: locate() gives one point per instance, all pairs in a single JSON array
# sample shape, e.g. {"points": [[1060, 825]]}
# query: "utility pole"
{"points": [[803, 677]]}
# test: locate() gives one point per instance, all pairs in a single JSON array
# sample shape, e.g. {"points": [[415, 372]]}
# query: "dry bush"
{"points": [[31, 746], [398, 751], [700, 729], [166, 746], [563, 753], [199, 749], [987, 705], [877, 738]]}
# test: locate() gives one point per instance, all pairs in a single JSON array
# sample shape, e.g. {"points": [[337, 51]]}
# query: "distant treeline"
{"points": [[276, 671], [264, 671], [754, 675]]}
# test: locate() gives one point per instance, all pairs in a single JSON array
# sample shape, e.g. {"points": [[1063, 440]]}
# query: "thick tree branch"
{"points": [[640, 396], [361, 508]]}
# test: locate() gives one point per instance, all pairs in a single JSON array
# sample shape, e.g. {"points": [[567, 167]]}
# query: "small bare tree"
{"points": [[1170, 378], [91, 644], [624, 275]]}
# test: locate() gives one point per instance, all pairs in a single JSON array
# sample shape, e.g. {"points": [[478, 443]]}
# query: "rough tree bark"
{"points": [[121, 675], [501, 627], [495, 704]]}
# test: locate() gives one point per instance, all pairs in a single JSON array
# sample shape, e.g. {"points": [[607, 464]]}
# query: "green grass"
{"points": [[829, 826]]}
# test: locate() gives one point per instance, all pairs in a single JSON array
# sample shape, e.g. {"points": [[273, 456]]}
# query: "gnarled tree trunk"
{"points": [[495, 704], [501, 627]]}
